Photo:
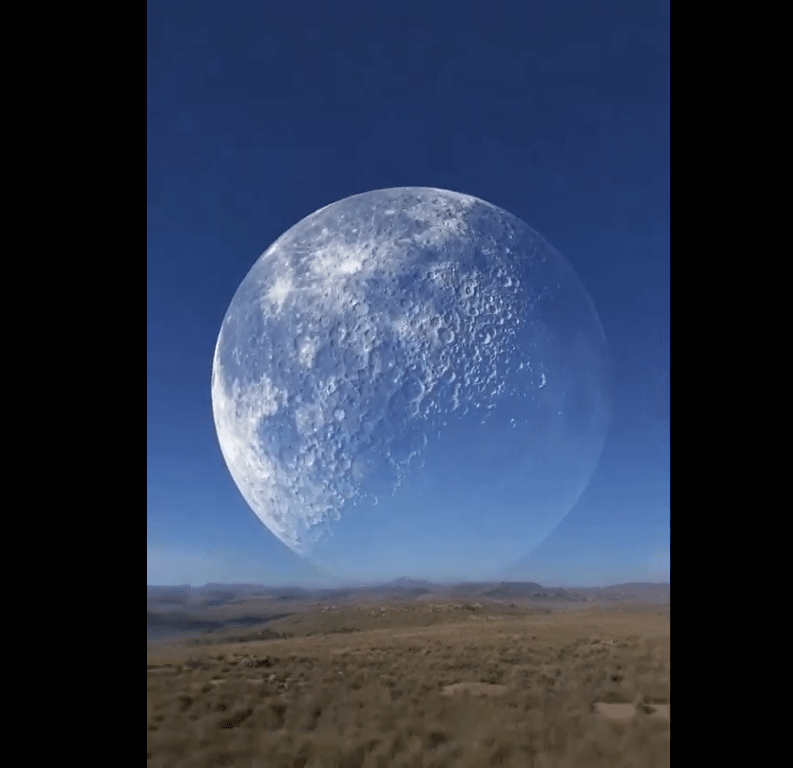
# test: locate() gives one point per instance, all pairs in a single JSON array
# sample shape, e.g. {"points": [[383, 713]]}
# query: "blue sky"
{"points": [[259, 115]]}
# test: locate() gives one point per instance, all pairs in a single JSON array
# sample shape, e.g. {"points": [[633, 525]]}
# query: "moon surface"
{"points": [[411, 381]]}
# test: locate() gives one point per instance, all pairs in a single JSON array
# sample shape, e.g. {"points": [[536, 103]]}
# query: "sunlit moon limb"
{"points": [[411, 380]]}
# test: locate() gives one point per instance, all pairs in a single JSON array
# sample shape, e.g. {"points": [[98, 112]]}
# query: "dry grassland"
{"points": [[419, 685]]}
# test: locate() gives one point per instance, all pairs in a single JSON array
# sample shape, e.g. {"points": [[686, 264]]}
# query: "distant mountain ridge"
{"points": [[174, 611], [514, 589], [214, 594]]}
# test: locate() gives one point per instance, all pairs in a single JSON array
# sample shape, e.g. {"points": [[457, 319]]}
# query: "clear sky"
{"points": [[260, 114]]}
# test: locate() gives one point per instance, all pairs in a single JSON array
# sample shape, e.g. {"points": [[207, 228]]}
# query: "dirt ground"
{"points": [[458, 684]]}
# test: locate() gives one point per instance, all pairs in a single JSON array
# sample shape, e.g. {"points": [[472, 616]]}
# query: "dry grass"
{"points": [[458, 686]]}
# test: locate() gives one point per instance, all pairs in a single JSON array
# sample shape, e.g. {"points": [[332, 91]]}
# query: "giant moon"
{"points": [[411, 381]]}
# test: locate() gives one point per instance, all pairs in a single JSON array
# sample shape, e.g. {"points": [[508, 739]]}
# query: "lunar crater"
{"points": [[360, 345]]}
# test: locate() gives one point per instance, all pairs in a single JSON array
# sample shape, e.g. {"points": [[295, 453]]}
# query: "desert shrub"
{"points": [[370, 698]]}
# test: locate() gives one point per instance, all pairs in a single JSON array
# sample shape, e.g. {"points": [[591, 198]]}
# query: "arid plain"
{"points": [[408, 674]]}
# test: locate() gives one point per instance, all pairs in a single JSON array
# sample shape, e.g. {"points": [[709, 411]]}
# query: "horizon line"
{"points": [[364, 585]]}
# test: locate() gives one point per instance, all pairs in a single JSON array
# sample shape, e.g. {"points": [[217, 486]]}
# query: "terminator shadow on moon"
{"points": [[411, 370]]}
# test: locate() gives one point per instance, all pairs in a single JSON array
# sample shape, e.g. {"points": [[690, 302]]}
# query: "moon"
{"points": [[411, 380]]}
